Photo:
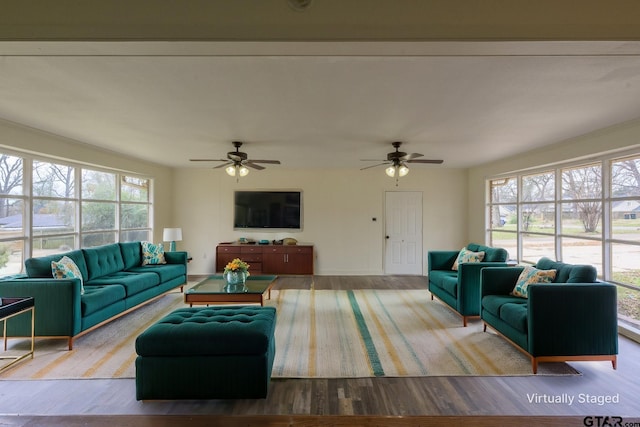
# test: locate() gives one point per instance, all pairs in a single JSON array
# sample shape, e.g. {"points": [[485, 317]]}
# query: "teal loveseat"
{"points": [[574, 318], [460, 289], [115, 282]]}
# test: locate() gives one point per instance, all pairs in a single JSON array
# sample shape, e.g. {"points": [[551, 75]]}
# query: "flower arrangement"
{"points": [[237, 265]]}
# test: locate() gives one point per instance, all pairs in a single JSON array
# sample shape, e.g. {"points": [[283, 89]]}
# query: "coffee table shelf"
{"points": [[10, 307], [214, 290]]}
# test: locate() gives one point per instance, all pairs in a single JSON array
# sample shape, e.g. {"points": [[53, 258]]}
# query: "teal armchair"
{"points": [[460, 289], [574, 318]]}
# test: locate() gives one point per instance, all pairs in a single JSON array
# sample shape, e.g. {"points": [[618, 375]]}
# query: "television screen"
{"points": [[267, 209]]}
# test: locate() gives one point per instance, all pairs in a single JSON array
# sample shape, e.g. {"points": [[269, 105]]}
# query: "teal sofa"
{"points": [[460, 289], [572, 319], [115, 282]]}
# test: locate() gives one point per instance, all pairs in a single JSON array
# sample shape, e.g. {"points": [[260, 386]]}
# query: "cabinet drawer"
{"points": [[228, 250], [275, 250], [250, 250], [300, 249], [252, 257]]}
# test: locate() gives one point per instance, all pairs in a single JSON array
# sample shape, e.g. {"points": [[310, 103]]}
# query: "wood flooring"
{"points": [[424, 401]]}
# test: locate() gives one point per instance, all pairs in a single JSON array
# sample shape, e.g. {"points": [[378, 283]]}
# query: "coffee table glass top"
{"points": [[217, 285]]}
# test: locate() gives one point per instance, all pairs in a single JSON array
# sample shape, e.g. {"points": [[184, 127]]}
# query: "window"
{"points": [[134, 215], [12, 214], [503, 214], [50, 207], [98, 208], [586, 213], [625, 234], [54, 208]]}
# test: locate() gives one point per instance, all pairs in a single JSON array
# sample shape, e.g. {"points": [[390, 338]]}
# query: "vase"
{"points": [[235, 277]]}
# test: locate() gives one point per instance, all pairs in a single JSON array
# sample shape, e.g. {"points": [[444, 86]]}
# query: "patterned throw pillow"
{"points": [[152, 254], [67, 269], [530, 276], [466, 255]]}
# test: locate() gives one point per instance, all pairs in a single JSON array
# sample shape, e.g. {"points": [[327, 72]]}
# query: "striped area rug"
{"points": [[373, 333], [319, 334]]}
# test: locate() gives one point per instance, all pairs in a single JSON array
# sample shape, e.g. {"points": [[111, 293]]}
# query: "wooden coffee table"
{"points": [[214, 290]]}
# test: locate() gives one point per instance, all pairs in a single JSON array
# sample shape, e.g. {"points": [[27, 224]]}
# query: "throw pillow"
{"points": [[65, 268], [466, 255], [529, 276], [152, 254]]}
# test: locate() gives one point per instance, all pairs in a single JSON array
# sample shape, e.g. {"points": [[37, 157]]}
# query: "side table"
{"points": [[10, 307]]}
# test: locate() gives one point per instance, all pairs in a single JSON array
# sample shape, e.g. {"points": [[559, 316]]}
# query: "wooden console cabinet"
{"points": [[268, 259]]}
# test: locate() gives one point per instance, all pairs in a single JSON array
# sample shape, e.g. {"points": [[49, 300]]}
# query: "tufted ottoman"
{"points": [[207, 353]]}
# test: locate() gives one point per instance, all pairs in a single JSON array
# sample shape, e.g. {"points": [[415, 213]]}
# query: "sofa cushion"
{"points": [[98, 297], [493, 303], [131, 254], [467, 255], [450, 285], [41, 267], [103, 260], [569, 273], [210, 331], [166, 272], [67, 269], [152, 254], [515, 314], [437, 276], [132, 282], [530, 276]]}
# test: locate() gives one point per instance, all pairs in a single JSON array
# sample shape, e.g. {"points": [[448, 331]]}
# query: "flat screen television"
{"points": [[267, 209]]}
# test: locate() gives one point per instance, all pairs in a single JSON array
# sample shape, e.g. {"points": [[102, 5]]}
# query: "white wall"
{"points": [[620, 138], [338, 207]]}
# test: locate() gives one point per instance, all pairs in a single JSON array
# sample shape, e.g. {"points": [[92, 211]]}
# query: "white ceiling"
{"points": [[320, 105]]}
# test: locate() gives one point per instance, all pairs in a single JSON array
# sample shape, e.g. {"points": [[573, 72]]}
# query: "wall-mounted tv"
{"points": [[267, 209]]}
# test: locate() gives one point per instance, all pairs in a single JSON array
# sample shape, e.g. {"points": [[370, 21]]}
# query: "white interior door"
{"points": [[403, 232]]}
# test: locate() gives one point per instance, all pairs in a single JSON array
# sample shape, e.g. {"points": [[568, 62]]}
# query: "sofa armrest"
{"points": [[441, 260], [176, 257], [498, 280], [469, 278], [573, 319], [57, 306]]}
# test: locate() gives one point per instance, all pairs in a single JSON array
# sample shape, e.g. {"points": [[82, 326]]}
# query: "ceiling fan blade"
{"points": [[437, 162], [208, 160], [224, 165], [373, 166], [372, 160], [253, 165], [270, 162], [410, 156]]}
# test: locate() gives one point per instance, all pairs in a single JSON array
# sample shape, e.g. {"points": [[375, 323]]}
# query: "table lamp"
{"points": [[172, 235]]}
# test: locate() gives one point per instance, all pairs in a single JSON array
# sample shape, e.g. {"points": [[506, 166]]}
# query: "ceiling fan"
{"points": [[397, 161], [237, 162]]}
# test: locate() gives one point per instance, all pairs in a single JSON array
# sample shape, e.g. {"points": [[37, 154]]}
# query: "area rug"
{"points": [[393, 333], [319, 334]]}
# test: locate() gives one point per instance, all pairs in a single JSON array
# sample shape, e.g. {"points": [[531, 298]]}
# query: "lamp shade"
{"points": [[172, 234]]}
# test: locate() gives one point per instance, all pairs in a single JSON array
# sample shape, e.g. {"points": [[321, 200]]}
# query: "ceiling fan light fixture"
{"points": [[243, 171], [403, 170], [230, 170], [390, 171]]}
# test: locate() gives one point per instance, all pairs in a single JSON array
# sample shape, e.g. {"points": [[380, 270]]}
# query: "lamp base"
{"points": [[172, 246]]}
